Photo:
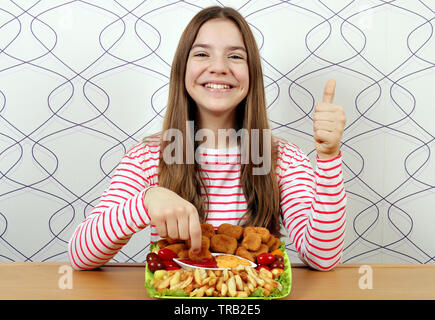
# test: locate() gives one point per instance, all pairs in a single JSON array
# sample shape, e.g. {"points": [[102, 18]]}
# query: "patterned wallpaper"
{"points": [[83, 81]]}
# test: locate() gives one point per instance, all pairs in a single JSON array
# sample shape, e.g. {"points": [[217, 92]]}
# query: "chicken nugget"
{"points": [[263, 248], [204, 252], [205, 242], [265, 234], [183, 254], [252, 241], [223, 243], [172, 240], [162, 243], [276, 245], [273, 243], [207, 230], [176, 247], [231, 230], [244, 253], [248, 230]]}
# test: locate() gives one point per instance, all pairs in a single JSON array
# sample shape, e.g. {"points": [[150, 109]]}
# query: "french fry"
{"points": [[188, 289], [264, 273], [224, 289], [175, 279], [239, 282], [198, 292], [242, 294], [154, 282], [226, 275], [219, 283], [184, 284], [201, 291], [251, 287], [202, 273], [197, 277], [252, 272], [209, 291], [244, 276], [251, 280], [212, 281], [268, 286], [247, 290], [194, 292], [240, 267], [231, 284], [184, 276], [164, 283]]}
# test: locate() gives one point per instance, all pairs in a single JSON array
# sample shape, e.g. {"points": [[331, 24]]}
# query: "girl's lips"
{"points": [[217, 90], [217, 84], [217, 87]]}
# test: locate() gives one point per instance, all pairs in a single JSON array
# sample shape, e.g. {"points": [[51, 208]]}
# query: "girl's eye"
{"points": [[235, 56], [200, 54]]}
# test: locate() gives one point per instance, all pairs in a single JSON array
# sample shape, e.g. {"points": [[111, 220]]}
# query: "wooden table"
{"points": [[40, 281]]}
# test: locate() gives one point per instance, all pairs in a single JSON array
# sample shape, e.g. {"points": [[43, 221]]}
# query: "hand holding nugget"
{"points": [[173, 216], [204, 253]]}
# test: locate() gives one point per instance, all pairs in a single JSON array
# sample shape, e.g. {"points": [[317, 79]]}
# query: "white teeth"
{"points": [[217, 86]]}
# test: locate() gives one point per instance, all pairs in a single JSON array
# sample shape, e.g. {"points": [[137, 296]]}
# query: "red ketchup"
{"points": [[203, 263]]}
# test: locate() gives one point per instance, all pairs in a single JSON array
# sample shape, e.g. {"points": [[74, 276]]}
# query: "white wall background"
{"points": [[83, 81]]}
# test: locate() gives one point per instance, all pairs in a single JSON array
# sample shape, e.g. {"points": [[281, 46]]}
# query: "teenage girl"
{"points": [[216, 82]]}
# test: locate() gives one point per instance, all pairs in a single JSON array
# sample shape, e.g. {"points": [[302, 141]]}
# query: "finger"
{"points": [[325, 107], [172, 227], [329, 91], [161, 229], [195, 232], [324, 116], [323, 136], [183, 227], [324, 125]]}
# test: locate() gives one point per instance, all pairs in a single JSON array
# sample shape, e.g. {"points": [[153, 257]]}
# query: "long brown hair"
{"points": [[261, 191]]}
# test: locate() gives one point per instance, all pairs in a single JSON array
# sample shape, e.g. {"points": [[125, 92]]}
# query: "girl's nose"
{"points": [[218, 65]]}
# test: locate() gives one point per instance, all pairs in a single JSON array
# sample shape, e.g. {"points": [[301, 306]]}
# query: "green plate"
{"points": [[285, 279]]}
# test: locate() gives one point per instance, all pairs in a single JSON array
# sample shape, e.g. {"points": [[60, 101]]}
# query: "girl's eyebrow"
{"points": [[207, 46]]}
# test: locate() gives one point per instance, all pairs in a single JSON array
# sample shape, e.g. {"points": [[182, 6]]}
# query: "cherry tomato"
{"points": [[277, 264], [152, 256], [279, 258], [260, 266], [155, 265], [166, 254], [265, 258], [170, 264]]}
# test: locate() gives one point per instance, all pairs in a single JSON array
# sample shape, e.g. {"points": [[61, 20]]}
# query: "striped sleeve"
{"points": [[313, 206], [119, 214]]}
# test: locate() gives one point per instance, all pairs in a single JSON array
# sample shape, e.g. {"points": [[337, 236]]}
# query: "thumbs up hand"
{"points": [[329, 121]]}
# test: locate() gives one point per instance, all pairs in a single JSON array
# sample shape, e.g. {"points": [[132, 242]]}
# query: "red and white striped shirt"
{"points": [[313, 203]]}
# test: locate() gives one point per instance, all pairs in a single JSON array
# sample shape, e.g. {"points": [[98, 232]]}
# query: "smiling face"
{"points": [[217, 74]]}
